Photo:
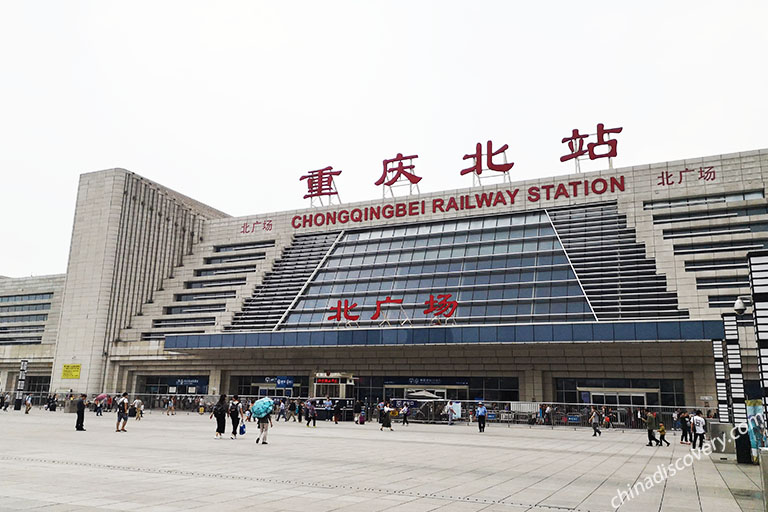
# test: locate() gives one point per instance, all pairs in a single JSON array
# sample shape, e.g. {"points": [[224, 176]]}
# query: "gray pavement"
{"points": [[174, 463]]}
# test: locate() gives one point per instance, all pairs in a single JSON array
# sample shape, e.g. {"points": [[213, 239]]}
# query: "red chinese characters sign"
{"points": [[437, 306], [320, 182], [397, 167], [576, 144], [670, 178], [254, 226], [489, 154]]}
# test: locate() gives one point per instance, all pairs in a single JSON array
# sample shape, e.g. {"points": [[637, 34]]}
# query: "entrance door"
{"points": [[622, 397], [618, 398]]}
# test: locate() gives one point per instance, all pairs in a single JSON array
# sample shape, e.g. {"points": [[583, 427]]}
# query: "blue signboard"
{"points": [[187, 381], [574, 418], [284, 382], [427, 381]]}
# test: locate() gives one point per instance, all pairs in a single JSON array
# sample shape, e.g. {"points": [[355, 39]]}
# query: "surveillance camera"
{"points": [[739, 307]]}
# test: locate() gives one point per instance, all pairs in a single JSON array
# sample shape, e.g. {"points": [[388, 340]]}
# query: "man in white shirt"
{"points": [[698, 424], [137, 404]]}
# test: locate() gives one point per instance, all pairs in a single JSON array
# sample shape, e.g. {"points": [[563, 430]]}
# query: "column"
{"points": [[735, 377]]}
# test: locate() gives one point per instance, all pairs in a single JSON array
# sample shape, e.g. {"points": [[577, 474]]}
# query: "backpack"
{"points": [[218, 410], [233, 407]]}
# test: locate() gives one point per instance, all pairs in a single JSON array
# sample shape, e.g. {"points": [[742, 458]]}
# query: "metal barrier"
{"points": [[421, 411]]}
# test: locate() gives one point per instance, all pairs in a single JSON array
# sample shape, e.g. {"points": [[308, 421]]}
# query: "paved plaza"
{"points": [[174, 463]]}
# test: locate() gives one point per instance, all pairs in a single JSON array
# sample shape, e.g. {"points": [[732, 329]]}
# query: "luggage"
{"points": [[131, 412], [361, 419]]}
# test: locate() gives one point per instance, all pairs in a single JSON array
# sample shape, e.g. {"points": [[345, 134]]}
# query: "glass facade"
{"points": [[634, 392], [501, 269]]}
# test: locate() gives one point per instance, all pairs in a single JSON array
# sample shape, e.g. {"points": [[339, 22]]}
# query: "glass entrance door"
{"points": [[635, 398]]}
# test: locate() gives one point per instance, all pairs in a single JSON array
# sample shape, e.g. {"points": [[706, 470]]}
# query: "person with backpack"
{"points": [[356, 410], [122, 413], [220, 413], [685, 427], [236, 414], [264, 424]]}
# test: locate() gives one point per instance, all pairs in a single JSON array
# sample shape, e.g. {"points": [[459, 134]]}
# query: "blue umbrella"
{"points": [[262, 407]]}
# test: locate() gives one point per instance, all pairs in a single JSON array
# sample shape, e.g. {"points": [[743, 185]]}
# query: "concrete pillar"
{"points": [[531, 386], [214, 381]]}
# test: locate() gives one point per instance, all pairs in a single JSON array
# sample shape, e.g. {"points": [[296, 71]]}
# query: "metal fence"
{"points": [[544, 414]]}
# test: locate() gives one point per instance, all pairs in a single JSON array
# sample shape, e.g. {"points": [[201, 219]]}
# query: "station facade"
{"points": [[604, 287]]}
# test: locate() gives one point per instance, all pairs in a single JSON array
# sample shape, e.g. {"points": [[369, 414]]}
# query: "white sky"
{"points": [[231, 102]]}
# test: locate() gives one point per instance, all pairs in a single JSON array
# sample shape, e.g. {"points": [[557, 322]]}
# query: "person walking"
{"points": [[594, 419], [356, 410], [650, 425], [81, 405], [264, 424], [699, 427], [99, 407], [662, 433], [280, 412], [685, 427], [137, 406], [311, 413], [449, 412], [301, 409], [122, 413], [27, 404], [235, 414], [328, 406], [337, 412], [220, 413], [291, 414], [386, 419], [481, 413], [404, 412]]}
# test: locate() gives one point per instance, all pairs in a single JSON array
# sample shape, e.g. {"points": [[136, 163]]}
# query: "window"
{"points": [[19, 298]]}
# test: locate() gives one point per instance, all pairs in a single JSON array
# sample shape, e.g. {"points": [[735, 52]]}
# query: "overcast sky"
{"points": [[231, 102]]}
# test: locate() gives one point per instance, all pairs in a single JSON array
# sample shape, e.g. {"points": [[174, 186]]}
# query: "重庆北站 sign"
{"points": [[71, 371]]}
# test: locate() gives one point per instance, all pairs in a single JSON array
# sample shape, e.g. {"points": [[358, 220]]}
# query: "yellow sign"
{"points": [[70, 371]]}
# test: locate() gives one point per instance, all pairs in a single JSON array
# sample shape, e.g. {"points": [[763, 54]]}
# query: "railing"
{"points": [[545, 414]]}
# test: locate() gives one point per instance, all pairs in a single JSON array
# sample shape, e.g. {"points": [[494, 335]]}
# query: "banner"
{"points": [[70, 371]]}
